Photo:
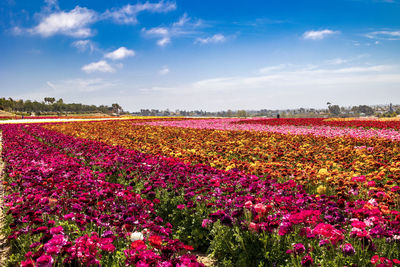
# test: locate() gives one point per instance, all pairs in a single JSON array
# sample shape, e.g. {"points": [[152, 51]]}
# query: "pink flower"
{"points": [[307, 261], [358, 224], [205, 223], [253, 226], [260, 208], [56, 230], [358, 179], [45, 261], [299, 248], [248, 204]]}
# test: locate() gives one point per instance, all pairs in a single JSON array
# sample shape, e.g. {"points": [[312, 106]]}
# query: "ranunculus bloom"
{"points": [[358, 224], [206, 222], [307, 261], [248, 204], [253, 226], [299, 248], [138, 244], [348, 249], [155, 240], [45, 261], [321, 189], [136, 236], [260, 208], [375, 259], [56, 230], [358, 179]]}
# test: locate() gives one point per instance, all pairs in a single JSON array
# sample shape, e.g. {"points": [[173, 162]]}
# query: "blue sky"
{"points": [[210, 55]]}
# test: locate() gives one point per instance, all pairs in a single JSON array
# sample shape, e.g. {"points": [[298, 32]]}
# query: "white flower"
{"points": [[136, 236]]}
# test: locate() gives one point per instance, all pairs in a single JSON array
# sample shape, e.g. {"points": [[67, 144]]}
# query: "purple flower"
{"points": [[299, 248], [307, 261], [226, 220], [107, 234], [348, 249]]}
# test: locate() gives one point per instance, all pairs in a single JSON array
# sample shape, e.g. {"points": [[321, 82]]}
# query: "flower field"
{"points": [[248, 192]]}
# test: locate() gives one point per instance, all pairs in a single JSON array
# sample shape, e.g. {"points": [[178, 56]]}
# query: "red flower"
{"points": [[187, 247], [375, 259], [138, 244], [155, 240]]}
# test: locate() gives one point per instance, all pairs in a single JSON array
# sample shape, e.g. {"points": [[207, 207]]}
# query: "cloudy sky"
{"points": [[208, 54]]}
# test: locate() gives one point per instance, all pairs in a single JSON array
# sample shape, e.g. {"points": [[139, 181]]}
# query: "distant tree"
{"points": [[116, 108], [367, 110], [242, 113], [50, 100], [334, 109]]}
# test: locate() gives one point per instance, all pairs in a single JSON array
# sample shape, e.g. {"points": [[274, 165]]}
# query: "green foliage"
{"points": [[50, 105], [334, 109], [241, 247], [187, 222]]}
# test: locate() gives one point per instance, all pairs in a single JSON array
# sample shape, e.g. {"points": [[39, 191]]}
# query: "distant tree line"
{"points": [[52, 106], [331, 111], [363, 110], [194, 113]]}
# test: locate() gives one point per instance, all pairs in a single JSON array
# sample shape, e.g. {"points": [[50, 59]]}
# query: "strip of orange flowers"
{"points": [[349, 167]]}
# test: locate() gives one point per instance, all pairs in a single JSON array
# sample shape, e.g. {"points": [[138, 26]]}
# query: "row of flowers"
{"points": [[316, 130], [60, 211], [355, 123], [241, 218], [348, 167]]}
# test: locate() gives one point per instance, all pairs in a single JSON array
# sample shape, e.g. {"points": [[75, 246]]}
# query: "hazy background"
{"points": [[210, 55]]}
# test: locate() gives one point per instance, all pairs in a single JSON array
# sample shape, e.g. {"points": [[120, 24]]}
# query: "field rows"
{"points": [[122, 192]]}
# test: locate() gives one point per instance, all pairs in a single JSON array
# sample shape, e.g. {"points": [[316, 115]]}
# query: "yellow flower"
{"points": [[321, 189], [323, 171]]}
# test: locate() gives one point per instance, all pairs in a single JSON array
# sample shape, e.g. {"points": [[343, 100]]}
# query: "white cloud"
{"points": [[336, 61], [158, 31], [182, 21], [164, 41], [162, 32], [384, 35], [51, 85], [318, 35], [216, 38], [83, 45], [270, 69], [120, 53], [184, 26], [74, 23], [164, 70], [128, 13], [99, 66]]}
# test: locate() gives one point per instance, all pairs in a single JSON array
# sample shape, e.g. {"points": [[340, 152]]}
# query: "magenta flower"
{"points": [[348, 249]]}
